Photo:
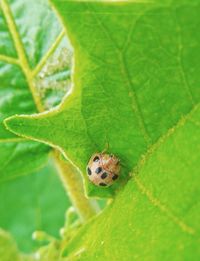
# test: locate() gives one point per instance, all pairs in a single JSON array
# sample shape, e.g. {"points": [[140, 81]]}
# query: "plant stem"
{"points": [[72, 181]]}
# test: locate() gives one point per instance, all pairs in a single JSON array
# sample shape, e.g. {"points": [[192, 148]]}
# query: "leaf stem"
{"points": [[86, 208]]}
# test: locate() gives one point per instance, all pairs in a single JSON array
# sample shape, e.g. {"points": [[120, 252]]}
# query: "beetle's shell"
{"points": [[103, 169]]}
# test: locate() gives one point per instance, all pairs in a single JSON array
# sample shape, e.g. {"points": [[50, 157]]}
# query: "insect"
{"points": [[103, 169]]}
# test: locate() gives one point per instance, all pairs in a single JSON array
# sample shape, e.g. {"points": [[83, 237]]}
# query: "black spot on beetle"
{"points": [[89, 171], [102, 184], [104, 175], [96, 159], [115, 177], [98, 170]]}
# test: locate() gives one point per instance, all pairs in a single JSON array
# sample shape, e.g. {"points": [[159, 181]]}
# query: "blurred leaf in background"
{"points": [[35, 60], [33, 202]]}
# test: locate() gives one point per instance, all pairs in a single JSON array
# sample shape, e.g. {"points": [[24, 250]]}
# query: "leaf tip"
{"points": [[13, 124]]}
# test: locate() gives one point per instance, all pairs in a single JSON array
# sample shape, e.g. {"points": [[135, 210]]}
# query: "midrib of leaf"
{"points": [[87, 209]]}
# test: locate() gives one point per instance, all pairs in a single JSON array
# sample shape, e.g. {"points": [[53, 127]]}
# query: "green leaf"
{"points": [[134, 78], [27, 204], [156, 216]]}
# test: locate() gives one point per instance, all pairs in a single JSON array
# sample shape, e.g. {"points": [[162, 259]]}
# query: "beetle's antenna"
{"points": [[107, 145]]}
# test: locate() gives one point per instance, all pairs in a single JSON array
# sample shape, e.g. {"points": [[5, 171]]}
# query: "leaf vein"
{"points": [[163, 208], [182, 70], [51, 50], [135, 104], [12, 140], [162, 139], [8, 59]]}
